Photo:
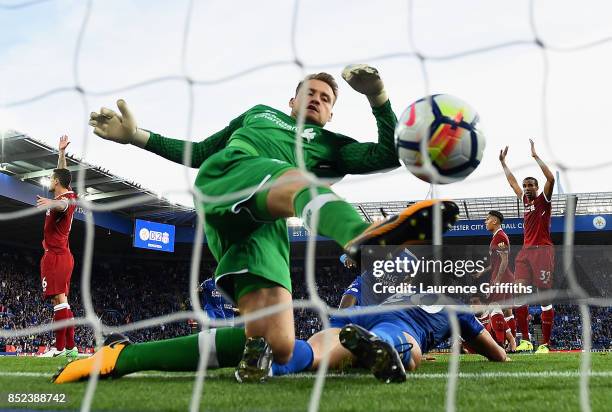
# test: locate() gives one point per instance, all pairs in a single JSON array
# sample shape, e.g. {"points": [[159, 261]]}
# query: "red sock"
{"points": [[499, 326], [60, 312], [520, 314], [512, 324], [70, 331], [548, 318]]}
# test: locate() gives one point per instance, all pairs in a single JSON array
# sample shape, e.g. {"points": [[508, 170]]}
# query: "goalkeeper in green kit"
{"points": [[255, 155]]}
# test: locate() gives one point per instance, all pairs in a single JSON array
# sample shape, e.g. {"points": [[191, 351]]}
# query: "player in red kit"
{"points": [[535, 262], [57, 262], [492, 319], [499, 249]]}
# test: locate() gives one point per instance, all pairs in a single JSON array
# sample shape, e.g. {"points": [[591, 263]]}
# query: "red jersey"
{"points": [[57, 226], [537, 221], [499, 242]]}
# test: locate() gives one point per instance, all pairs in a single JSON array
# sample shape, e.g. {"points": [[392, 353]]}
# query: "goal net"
{"points": [[529, 67]]}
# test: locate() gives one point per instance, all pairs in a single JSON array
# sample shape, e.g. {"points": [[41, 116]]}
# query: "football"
{"points": [[448, 129]]}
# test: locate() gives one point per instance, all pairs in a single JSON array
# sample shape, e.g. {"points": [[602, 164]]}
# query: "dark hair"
{"points": [[532, 178], [497, 214], [64, 177], [324, 77]]}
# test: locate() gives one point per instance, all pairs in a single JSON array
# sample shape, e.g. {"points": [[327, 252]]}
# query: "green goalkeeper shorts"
{"points": [[243, 246]]}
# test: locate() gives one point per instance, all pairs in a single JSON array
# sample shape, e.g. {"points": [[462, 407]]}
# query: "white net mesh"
{"points": [[407, 41]]}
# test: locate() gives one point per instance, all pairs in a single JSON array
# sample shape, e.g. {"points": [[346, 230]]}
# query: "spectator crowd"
{"points": [[127, 292]]}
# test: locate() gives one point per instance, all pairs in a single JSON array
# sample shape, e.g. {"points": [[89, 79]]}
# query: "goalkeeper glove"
{"points": [[366, 80], [118, 128]]}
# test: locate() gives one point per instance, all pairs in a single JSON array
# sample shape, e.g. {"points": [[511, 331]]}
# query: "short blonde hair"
{"points": [[324, 77]]}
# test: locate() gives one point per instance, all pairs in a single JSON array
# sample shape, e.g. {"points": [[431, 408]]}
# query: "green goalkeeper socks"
{"points": [[229, 345], [337, 218], [182, 354]]}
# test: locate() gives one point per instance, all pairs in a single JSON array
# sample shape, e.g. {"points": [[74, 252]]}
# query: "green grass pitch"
{"points": [[529, 383]]}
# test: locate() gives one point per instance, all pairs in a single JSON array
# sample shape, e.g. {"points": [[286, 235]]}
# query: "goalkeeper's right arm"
{"points": [[123, 129]]}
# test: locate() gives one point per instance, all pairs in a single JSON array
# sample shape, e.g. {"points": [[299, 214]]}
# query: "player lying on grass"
{"points": [[248, 235], [390, 343], [387, 343]]}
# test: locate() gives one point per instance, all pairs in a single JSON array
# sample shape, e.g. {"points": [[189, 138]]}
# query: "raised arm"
{"points": [[550, 178], [511, 179], [122, 128], [358, 158], [63, 144]]}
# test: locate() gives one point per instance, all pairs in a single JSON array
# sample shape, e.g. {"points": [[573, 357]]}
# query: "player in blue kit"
{"points": [[352, 294], [229, 311], [386, 343], [390, 343], [213, 302]]}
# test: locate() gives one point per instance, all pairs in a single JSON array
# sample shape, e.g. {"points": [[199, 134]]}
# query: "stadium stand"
{"points": [[129, 285], [141, 289]]}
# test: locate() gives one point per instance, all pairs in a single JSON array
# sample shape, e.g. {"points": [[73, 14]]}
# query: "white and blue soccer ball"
{"points": [[448, 128]]}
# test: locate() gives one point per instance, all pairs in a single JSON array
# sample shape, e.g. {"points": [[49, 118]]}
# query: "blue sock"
{"points": [[300, 361], [393, 335]]}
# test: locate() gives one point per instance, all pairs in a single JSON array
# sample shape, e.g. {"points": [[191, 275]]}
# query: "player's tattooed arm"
{"points": [[63, 144], [59, 205], [503, 265], [511, 179], [550, 178]]}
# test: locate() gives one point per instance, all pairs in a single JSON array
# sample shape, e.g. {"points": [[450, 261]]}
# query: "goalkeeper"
{"points": [[248, 235]]}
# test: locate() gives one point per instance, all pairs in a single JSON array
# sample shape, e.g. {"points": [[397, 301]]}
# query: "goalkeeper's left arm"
{"points": [[360, 158]]}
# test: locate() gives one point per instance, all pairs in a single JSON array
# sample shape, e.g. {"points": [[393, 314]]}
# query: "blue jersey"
{"points": [[228, 310], [430, 329], [428, 325], [212, 300], [354, 288]]}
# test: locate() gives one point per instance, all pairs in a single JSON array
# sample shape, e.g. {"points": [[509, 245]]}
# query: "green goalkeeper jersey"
{"points": [[267, 132]]}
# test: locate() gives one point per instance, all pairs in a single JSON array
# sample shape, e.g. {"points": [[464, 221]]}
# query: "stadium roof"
{"points": [[32, 161], [510, 206]]}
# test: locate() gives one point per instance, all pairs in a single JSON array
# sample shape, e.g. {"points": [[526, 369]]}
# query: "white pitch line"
{"points": [[489, 375], [466, 375]]}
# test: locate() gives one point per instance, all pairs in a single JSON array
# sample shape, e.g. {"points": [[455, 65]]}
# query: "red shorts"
{"points": [[55, 273], [534, 266]]}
